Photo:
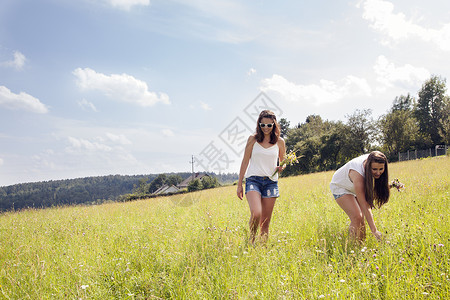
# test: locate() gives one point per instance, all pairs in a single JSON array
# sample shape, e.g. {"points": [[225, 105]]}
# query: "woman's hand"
{"points": [[377, 234], [240, 191]]}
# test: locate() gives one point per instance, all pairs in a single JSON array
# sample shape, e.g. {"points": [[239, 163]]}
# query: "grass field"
{"points": [[194, 246]]}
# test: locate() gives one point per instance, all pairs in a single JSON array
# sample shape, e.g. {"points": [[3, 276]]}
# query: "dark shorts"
{"points": [[263, 185]]}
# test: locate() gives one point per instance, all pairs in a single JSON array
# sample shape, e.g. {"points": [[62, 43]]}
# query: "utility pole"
{"points": [[192, 163]]}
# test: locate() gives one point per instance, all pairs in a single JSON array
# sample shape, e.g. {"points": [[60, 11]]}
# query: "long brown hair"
{"points": [[376, 189], [274, 134]]}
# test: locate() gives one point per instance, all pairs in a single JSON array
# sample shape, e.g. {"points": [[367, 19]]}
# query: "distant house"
{"points": [[165, 189], [184, 184]]}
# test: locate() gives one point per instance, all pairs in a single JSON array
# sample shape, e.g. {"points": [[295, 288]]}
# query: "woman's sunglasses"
{"points": [[262, 125]]}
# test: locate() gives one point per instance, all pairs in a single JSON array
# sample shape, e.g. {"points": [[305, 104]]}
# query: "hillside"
{"points": [[195, 246], [88, 190]]}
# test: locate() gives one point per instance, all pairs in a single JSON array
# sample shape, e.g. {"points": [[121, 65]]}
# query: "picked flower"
{"points": [[290, 159], [397, 184]]}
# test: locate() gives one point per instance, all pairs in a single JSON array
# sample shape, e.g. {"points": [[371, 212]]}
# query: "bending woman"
{"points": [[360, 185], [262, 153]]}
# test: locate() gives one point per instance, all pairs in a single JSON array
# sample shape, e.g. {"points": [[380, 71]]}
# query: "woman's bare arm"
{"points": [[244, 164]]}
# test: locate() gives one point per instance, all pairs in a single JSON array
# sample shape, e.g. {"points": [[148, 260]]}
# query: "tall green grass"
{"points": [[194, 246]]}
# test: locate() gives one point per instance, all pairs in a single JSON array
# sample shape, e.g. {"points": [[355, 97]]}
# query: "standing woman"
{"points": [[358, 186], [263, 151]]}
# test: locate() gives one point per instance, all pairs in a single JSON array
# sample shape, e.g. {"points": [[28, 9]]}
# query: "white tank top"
{"points": [[341, 183], [263, 161]]}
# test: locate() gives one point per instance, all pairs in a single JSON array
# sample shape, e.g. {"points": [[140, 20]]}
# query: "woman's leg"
{"points": [[362, 228], [351, 207], [255, 204], [266, 215]]}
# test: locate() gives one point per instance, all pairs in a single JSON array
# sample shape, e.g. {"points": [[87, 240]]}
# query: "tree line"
{"points": [[408, 125], [88, 190]]}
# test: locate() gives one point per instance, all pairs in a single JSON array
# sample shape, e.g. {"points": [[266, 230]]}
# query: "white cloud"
{"points": [[119, 139], [167, 132], [83, 144], [396, 27], [388, 74], [18, 62], [127, 4], [1, 161], [121, 87], [99, 144], [251, 72], [86, 105], [45, 160], [324, 92], [21, 101], [205, 106]]}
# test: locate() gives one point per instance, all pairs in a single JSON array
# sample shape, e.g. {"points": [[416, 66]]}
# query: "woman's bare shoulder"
{"points": [[281, 142], [251, 139]]}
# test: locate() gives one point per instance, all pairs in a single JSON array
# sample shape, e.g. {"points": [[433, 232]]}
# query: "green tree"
{"points": [[174, 180], [195, 185], [303, 140], [362, 130], [399, 131], [403, 103], [209, 182], [310, 154], [334, 143], [431, 109], [142, 186], [284, 127], [445, 131], [322, 145]]}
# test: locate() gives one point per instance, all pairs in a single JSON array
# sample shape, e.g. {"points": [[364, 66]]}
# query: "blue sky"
{"points": [[99, 87]]}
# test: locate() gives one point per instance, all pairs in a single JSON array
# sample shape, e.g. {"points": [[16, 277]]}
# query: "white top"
{"points": [[341, 183], [263, 161]]}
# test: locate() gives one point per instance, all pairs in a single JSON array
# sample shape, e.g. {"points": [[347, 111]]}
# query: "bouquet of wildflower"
{"points": [[397, 184], [290, 159]]}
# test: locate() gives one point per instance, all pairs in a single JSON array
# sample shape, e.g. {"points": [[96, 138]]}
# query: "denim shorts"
{"points": [[338, 196], [263, 185]]}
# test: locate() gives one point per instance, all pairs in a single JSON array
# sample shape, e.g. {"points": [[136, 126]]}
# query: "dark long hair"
{"points": [[376, 189], [274, 134]]}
